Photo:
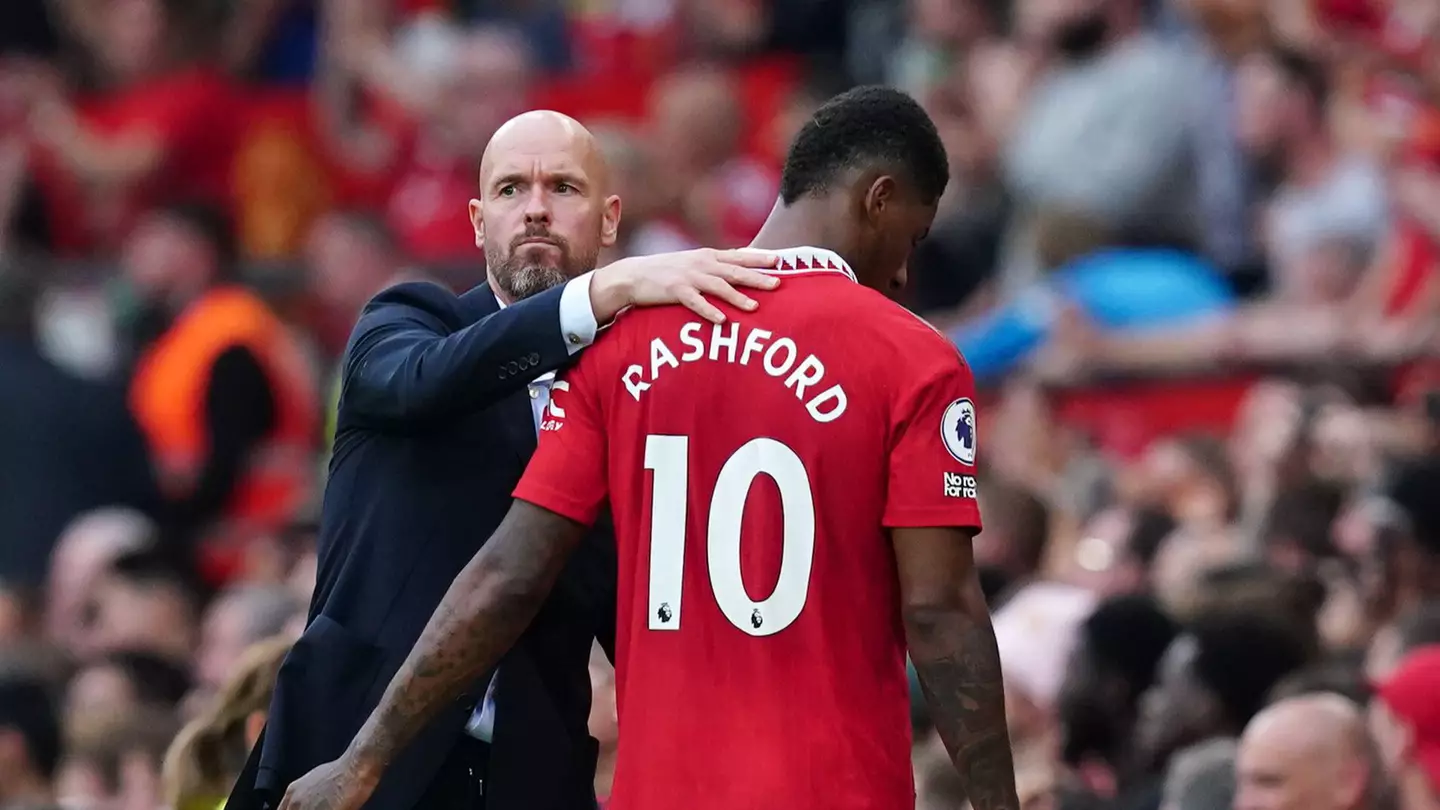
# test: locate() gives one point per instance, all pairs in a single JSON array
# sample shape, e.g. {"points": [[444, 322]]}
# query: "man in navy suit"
{"points": [[437, 419]]}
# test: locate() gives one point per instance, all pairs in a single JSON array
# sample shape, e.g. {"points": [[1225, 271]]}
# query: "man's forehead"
{"points": [[535, 162], [549, 145]]}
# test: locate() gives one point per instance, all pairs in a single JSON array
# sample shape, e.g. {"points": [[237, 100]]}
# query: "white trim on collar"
{"points": [[799, 260]]}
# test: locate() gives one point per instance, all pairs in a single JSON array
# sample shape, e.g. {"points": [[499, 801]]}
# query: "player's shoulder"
{"points": [[906, 340]]}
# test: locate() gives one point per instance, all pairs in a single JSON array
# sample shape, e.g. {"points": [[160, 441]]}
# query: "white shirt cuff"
{"points": [[577, 317]]}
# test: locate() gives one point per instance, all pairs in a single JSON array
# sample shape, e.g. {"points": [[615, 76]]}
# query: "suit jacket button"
{"points": [[513, 367], [524, 364], [533, 358]]}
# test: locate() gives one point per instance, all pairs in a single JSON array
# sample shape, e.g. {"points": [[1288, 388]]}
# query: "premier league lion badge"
{"points": [[957, 430]]}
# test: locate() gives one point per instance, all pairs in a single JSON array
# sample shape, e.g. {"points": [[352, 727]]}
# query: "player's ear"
{"points": [[879, 195], [477, 221], [610, 221]]}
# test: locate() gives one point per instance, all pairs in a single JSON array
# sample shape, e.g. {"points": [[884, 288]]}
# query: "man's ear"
{"points": [[878, 196], [477, 221], [610, 221]]}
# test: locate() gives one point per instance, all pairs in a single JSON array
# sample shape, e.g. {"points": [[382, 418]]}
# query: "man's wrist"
{"points": [[364, 769], [610, 291]]}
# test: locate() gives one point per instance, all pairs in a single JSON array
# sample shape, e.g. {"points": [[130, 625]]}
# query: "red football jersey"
{"points": [[751, 470]]}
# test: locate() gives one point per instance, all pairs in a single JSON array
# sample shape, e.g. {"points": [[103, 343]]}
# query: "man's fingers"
{"points": [[746, 277], [716, 287], [284, 801], [748, 257], [695, 302]]}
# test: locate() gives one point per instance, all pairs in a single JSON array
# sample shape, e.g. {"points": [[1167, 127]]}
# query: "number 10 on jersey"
{"points": [[668, 458]]}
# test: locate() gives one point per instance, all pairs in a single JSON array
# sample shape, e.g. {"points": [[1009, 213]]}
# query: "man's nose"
{"points": [[537, 206]]}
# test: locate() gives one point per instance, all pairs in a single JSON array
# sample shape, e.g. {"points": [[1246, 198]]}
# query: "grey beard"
{"points": [[520, 281]]}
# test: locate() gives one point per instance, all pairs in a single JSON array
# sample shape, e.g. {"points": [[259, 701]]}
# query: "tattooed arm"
{"points": [[952, 645], [487, 607]]}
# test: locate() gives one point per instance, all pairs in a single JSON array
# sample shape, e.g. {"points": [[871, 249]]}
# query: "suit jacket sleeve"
{"points": [[406, 364]]}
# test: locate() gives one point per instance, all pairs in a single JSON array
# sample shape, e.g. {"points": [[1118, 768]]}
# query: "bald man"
{"points": [[440, 401], [1306, 753]]}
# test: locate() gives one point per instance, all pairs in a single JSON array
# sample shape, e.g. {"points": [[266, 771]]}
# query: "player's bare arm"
{"points": [[485, 610], [952, 644]]}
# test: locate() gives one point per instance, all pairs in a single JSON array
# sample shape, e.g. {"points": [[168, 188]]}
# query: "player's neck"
{"points": [[804, 223]]}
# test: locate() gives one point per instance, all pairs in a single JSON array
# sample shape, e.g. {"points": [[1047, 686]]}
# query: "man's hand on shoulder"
{"points": [[685, 278]]}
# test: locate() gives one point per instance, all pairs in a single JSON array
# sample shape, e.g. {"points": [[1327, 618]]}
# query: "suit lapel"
{"points": [[516, 415]]}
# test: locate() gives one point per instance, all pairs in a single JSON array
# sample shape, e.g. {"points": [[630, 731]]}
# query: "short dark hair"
{"points": [[1412, 487], [1128, 635], [1303, 513], [866, 127], [149, 568], [156, 681], [211, 224], [1149, 528], [1342, 674], [1303, 72], [1242, 656], [1419, 627], [28, 708]]}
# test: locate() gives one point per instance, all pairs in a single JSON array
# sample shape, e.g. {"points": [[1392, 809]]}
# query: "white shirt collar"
{"points": [[803, 259]]}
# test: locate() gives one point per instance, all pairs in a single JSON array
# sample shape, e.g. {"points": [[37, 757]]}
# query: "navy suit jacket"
{"points": [[433, 433]]}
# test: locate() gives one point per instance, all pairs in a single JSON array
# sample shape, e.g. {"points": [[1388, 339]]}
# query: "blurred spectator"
{"points": [[16, 614], [222, 389], [351, 255], [1405, 719], [651, 226], [723, 194], [207, 755], [1214, 677], [1118, 546], [1104, 132], [420, 154], [1036, 632], [1297, 529], [1326, 197], [239, 617], [1260, 589], [145, 603], [1418, 627], [162, 131], [113, 760], [87, 549], [30, 744], [1012, 547], [69, 444], [1306, 753], [1338, 674], [1202, 778], [1401, 564], [1113, 665], [124, 682]]}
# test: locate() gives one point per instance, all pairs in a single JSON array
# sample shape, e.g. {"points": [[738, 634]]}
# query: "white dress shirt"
{"points": [[578, 327]]}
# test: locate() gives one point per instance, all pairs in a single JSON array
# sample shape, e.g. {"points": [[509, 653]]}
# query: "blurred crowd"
{"points": [[1190, 248]]}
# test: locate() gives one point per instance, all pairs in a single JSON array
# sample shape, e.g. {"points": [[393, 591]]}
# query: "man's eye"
{"points": [[508, 190], [564, 188]]}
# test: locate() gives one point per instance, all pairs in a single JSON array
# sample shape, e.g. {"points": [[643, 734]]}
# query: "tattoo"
{"points": [[485, 610], [964, 688]]}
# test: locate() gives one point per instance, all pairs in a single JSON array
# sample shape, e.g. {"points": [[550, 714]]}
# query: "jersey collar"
{"points": [[799, 260]]}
